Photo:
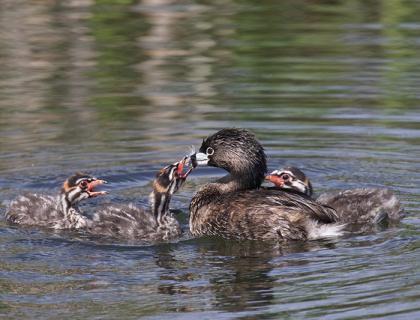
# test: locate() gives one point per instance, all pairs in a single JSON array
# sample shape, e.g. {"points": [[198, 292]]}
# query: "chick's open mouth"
{"points": [[94, 184], [185, 164]]}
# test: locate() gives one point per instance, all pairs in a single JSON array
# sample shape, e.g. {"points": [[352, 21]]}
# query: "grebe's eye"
{"points": [[83, 184], [209, 151], [285, 177]]}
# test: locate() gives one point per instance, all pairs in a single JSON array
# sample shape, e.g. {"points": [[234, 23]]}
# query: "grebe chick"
{"points": [[145, 224], [358, 206], [235, 207], [56, 212], [291, 178]]}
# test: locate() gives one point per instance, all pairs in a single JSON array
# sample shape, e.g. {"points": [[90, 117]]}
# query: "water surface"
{"points": [[121, 88]]}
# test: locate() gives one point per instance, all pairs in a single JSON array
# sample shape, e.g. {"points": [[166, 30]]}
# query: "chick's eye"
{"points": [[285, 176], [84, 184], [209, 151]]}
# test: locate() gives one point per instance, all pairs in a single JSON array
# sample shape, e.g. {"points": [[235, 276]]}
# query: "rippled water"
{"points": [[121, 88]]}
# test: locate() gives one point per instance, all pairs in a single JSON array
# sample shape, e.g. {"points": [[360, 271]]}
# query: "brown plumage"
{"points": [[234, 207]]}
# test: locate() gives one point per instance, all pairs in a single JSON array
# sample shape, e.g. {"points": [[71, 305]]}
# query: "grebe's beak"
{"points": [[200, 159], [186, 162], [275, 179], [92, 185]]}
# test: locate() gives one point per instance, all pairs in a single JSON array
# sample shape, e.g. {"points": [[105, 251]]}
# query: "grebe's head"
{"points": [[291, 178], [169, 179], [238, 152], [81, 186]]}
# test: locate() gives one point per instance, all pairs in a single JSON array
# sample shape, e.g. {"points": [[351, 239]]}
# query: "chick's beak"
{"points": [[187, 161], [180, 168], [92, 185], [276, 180]]}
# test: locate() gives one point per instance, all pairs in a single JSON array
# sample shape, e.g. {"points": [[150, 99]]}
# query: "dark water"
{"points": [[121, 88]]}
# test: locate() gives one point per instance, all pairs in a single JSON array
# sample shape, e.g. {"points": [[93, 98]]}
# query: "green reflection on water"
{"points": [[84, 82], [399, 51], [116, 30]]}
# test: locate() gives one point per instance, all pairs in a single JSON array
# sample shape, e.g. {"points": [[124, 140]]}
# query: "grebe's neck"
{"points": [[71, 212], [232, 183], [246, 173], [159, 205], [245, 178], [64, 204]]}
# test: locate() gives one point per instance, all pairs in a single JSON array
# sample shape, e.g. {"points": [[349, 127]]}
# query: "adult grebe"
{"points": [[234, 207]]}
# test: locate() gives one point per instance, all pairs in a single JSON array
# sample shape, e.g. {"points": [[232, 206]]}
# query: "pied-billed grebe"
{"points": [[291, 178], [144, 224], [234, 207], [361, 205], [55, 212]]}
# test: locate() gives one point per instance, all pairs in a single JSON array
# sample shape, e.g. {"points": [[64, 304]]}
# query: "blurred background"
{"points": [[120, 88]]}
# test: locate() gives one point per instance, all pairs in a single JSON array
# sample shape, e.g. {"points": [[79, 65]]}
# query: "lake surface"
{"points": [[121, 88]]}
